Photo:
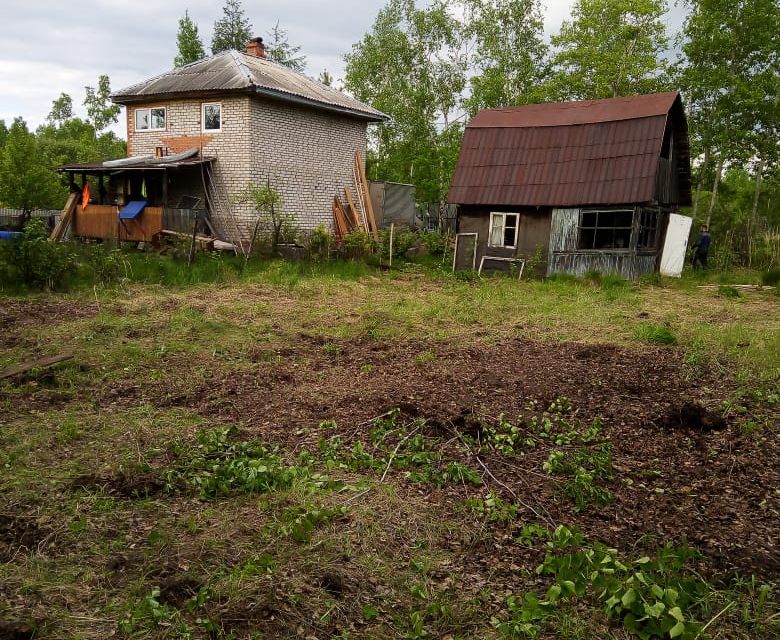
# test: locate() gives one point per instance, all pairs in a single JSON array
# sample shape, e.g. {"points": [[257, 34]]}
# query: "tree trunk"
{"points": [[754, 211], [701, 182], [714, 198]]}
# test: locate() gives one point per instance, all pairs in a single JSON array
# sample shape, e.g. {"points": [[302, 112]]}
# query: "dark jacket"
{"points": [[703, 243]]}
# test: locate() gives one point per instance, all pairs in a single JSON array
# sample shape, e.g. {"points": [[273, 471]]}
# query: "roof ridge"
{"points": [[242, 66]]}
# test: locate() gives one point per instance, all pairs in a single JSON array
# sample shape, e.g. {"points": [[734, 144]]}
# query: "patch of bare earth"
{"points": [[682, 472]]}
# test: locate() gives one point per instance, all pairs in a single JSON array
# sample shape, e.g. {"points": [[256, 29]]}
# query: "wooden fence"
{"points": [[102, 222]]}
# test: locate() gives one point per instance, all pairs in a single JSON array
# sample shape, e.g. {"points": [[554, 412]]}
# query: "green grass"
{"points": [[401, 542]]}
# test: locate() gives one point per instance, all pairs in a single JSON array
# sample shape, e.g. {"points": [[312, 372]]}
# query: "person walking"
{"points": [[701, 248]]}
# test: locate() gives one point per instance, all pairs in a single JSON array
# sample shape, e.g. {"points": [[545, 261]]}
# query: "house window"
{"points": [[605, 229], [503, 230], [648, 229], [151, 119], [211, 116]]}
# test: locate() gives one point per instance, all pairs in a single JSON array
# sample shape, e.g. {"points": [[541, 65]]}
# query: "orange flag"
{"points": [[85, 197]]}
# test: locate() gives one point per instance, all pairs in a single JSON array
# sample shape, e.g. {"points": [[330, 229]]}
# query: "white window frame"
{"points": [[149, 109], [495, 215], [203, 117]]}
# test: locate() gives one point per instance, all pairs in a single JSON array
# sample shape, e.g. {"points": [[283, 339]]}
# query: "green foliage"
{"points": [[106, 265], [272, 226], [582, 468], [149, 612], [403, 240], [279, 49], [34, 261], [101, 112], [655, 334], [610, 48], [300, 522], [233, 30], [510, 56], [770, 278], [319, 244], [652, 597], [221, 466], [358, 245], [492, 508], [188, 43], [408, 67], [434, 242], [725, 291], [27, 181]]}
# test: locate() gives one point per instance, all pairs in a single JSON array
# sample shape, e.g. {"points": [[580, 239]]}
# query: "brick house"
{"points": [[210, 128]]}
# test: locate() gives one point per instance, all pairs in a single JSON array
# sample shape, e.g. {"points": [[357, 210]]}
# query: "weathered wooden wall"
{"points": [[565, 257], [533, 230], [102, 222]]}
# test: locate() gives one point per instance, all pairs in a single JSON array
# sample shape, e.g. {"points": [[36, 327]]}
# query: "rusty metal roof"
{"points": [[569, 154], [235, 72]]}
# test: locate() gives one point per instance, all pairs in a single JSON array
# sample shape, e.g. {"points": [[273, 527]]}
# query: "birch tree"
{"points": [[610, 48]]}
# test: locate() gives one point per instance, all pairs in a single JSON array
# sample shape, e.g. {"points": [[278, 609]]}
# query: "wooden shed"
{"points": [[589, 185]]}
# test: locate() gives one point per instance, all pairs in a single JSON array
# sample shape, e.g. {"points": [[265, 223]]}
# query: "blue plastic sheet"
{"points": [[132, 210]]}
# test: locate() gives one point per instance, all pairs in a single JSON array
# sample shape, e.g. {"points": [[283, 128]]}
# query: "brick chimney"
{"points": [[255, 47]]}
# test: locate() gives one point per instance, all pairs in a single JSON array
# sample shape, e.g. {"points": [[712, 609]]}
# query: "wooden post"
{"points": [[392, 229]]}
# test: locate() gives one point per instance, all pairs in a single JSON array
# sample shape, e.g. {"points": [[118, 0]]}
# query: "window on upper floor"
{"points": [[605, 229], [150, 119], [503, 230], [211, 116]]}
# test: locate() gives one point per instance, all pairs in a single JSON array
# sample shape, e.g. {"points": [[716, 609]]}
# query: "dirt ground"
{"points": [[685, 468], [696, 476]]}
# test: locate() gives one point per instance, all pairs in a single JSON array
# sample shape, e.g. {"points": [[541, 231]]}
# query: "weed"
{"points": [[652, 597], [725, 291], [493, 508], [582, 468], [654, 334], [219, 466]]}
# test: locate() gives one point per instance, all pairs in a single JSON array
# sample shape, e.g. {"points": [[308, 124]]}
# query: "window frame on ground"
{"points": [[203, 108], [149, 111], [598, 229], [502, 228]]}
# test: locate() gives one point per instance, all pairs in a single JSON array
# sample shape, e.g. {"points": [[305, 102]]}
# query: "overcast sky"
{"points": [[51, 46]]}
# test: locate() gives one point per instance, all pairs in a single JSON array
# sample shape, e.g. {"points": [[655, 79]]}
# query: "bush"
{"points": [[434, 243], [770, 278], [34, 261], [318, 244], [358, 245]]}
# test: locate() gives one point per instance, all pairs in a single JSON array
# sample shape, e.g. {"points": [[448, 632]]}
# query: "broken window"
{"points": [[648, 229], [212, 116], [605, 229], [503, 230], [151, 119]]}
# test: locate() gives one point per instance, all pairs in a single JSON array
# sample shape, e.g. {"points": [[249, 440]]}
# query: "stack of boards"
{"points": [[355, 213]]}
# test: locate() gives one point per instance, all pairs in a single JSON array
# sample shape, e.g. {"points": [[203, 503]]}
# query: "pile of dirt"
{"points": [[18, 534], [16, 631], [120, 484]]}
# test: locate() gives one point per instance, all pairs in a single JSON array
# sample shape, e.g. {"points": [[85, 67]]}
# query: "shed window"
{"points": [[503, 230], [152, 119], [211, 116], [605, 229], [648, 229]]}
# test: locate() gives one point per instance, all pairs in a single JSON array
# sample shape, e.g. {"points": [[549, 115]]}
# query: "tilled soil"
{"points": [[682, 471]]}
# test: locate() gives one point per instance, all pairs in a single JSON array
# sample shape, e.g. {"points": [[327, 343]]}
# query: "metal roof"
{"points": [[236, 72], [570, 154], [96, 168]]}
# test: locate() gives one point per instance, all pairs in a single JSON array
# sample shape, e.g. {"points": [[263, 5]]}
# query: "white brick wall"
{"points": [[307, 154]]}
